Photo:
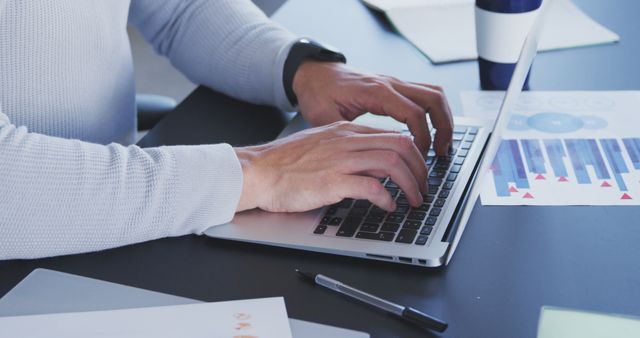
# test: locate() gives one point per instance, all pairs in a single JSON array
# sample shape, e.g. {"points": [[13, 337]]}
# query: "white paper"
{"points": [[564, 148], [264, 318], [444, 30]]}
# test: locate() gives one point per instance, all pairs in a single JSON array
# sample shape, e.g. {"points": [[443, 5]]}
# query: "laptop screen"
{"points": [[527, 54]]}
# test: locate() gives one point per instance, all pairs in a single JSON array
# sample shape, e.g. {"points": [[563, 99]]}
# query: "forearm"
{"points": [[228, 45], [61, 196]]}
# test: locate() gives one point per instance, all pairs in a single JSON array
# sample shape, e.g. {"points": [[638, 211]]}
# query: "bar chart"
{"points": [[594, 163], [564, 148]]}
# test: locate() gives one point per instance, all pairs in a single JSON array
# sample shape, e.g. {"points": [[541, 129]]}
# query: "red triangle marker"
{"points": [[605, 184], [563, 179], [540, 177], [527, 195], [513, 189], [625, 196]]}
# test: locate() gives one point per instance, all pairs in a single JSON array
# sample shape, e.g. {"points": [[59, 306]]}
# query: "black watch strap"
{"points": [[300, 51]]}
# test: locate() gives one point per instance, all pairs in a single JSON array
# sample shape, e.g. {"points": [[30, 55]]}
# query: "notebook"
{"points": [[47, 291], [444, 30]]}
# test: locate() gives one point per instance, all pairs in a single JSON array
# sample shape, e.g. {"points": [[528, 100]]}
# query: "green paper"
{"points": [[558, 322]]}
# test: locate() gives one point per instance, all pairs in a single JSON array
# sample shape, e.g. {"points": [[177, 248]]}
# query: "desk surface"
{"points": [[503, 271]]}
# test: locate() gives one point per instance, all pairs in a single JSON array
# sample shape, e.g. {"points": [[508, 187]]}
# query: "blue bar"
{"points": [[576, 154], [633, 149], [509, 168], [596, 159], [556, 154], [616, 162], [534, 157]]}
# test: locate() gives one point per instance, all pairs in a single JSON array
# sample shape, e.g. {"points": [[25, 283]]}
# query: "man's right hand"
{"points": [[324, 165]]}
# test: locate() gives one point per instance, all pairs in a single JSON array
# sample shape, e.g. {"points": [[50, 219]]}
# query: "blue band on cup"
{"points": [[509, 6], [496, 76]]}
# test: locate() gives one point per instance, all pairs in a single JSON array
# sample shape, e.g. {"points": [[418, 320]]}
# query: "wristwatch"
{"points": [[300, 51]]}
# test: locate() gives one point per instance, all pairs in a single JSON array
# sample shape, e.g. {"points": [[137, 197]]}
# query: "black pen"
{"points": [[407, 313]]}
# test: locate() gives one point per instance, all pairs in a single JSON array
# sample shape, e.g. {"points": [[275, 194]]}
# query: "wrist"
{"points": [[247, 157]]}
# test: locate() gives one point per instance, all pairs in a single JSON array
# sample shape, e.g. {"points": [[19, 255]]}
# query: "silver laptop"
{"points": [[424, 236]]}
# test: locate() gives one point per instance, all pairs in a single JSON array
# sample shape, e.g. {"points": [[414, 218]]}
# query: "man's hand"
{"points": [[330, 92], [324, 165]]}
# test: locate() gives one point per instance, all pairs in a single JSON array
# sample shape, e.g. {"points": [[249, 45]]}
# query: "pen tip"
{"points": [[306, 275]]}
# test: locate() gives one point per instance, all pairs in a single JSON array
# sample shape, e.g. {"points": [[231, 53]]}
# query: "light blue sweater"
{"points": [[69, 179]]}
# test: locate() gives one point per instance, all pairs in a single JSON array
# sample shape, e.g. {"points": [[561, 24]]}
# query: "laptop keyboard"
{"points": [[361, 220]]}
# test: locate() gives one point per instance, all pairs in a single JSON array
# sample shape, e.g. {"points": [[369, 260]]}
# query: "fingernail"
{"points": [[393, 206], [420, 199]]}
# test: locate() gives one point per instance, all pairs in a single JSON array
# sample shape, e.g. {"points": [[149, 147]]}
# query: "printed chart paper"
{"points": [[254, 318], [564, 148]]}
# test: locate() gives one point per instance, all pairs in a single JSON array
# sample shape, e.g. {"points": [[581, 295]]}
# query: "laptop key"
{"points": [[369, 227], [426, 230], [435, 181], [395, 217], [380, 236], [390, 227], [331, 211], [447, 185], [349, 227], [377, 212], [357, 212], [422, 240], [458, 136], [433, 189], [362, 204], [406, 236], [431, 220], [460, 129], [452, 177], [429, 198], [473, 130], [439, 203], [455, 168], [444, 194], [415, 225], [325, 220], [463, 152], [402, 209], [320, 229], [437, 174], [373, 219], [417, 215], [466, 145], [335, 221], [345, 203], [470, 138], [422, 207], [402, 201], [435, 212]]}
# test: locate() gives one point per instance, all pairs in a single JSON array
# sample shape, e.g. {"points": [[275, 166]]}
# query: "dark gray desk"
{"points": [[511, 261]]}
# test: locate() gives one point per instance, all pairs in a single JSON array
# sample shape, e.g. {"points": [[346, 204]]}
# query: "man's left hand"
{"points": [[330, 92]]}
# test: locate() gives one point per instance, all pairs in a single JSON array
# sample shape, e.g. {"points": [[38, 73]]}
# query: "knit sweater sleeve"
{"points": [[228, 45], [60, 196]]}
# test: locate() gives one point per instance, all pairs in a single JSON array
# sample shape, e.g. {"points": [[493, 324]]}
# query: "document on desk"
{"points": [[564, 148], [558, 322], [253, 318], [444, 30]]}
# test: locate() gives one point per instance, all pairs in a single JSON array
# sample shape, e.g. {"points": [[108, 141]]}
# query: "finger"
{"points": [[382, 99], [401, 144], [432, 99], [367, 188], [388, 162]]}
